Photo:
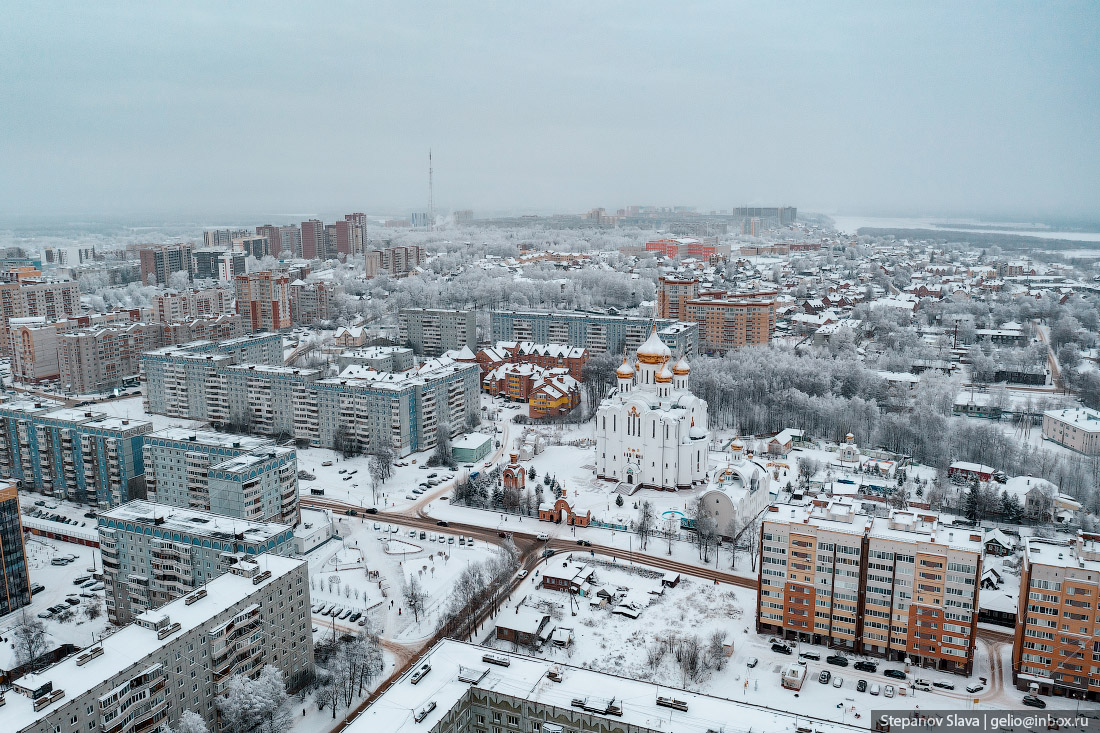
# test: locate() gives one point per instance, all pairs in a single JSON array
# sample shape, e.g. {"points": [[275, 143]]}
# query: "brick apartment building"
{"points": [[898, 587], [547, 356], [160, 261], [726, 320], [263, 298]]}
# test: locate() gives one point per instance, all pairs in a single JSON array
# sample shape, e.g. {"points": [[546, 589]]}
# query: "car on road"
{"points": [[975, 688], [837, 659], [923, 685], [888, 691], [584, 543], [521, 574], [825, 676], [412, 533], [751, 662], [442, 523], [875, 689], [943, 685], [781, 648], [488, 464], [861, 686], [394, 529], [81, 580], [864, 666], [548, 553], [838, 681], [1034, 702], [896, 674], [542, 537], [810, 655], [371, 510]]}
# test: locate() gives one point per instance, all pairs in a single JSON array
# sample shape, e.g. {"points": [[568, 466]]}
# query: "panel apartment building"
{"points": [[15, 584], [726, 320], [1057, 645], [598, 333], [179, 657], [239, 476], [263, 299], [404, 412], [158, 262], [36, 297], [895, 587], [76, 454], [154, 553], [1077, 428], [432, 331]]}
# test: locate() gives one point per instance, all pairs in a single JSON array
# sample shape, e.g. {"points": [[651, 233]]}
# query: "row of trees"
{"points": [[346, 667], [477, 589]]}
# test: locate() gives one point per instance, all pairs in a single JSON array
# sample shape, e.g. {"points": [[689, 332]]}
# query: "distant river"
{"points": [[850, 224]]}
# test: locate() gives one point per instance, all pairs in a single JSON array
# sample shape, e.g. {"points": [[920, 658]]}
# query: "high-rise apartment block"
{"points": [[218, 264], [599, 334], [32, 343], [313, 239], [253, 245], [901, 587], [235, 475], [101, 359], [394, 261], [72, 453], [312, 302], [222, 238], [705, 249], [176, 658], [402, 413], [155, 553], [263, 298], [49, 299], [774, 215], [160, 261], [432, 331], [174, 306], [727, 320], [15, 586], [1057, 645]]}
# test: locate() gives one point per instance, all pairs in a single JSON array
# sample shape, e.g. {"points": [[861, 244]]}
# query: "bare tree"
{"points": [[647, 519], [29, 636], [415, 598], [733, 531], [752, 536]]}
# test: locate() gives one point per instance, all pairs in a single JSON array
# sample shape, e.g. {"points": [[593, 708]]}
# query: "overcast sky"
{"points": [[859, 108]]}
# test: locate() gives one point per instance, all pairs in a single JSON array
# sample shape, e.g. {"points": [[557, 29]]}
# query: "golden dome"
{"points": [[682, 367], [663, 376], [625, 371], [654, 350]]}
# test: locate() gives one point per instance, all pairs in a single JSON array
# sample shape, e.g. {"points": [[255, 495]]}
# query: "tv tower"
{"points": [[431, 206]]}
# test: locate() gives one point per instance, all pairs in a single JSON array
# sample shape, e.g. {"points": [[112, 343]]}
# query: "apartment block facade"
{"points": [[726, 320], [53, 300], [597, 333], [263, 298], [72, 453], [1076, 428], [313, 302], [101, 359], [394, 261], [404, 412], [432, 331], [176, 658], [15, 584], [897, 587], [1057, 645], [160, 261], [154, 553], [32, 343], [181, 305], [239, 476], [218, 264]]}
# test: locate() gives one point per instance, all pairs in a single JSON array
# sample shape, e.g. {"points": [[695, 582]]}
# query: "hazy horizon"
{"points": [[209, 112]]}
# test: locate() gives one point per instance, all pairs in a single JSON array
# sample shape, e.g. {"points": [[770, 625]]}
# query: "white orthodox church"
{"points": [[652, 431]]}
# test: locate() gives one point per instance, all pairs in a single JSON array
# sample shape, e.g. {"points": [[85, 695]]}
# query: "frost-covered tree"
{"points": [[415, 598], [647, 520], [189, 722], [29, 637]]}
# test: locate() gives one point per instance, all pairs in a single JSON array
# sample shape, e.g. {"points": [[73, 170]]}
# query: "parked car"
{"points": [[888, 691], [943, 685], [781, 648], [344, 615], [864, 666], [371, 510], [861, 686], [896, 674], [72, 601], [81, 579], [875, 689], [423, 535], [37, 588], [975, 688], [412, 533], [410, 497], [751, 662], [97, 586], [45, 614], [377, 526], [838, 681], [810, 655], [542, 537], [837, 659], [923, 685], [1034, 702], [825, 676], [450, 540], [521, 574]]}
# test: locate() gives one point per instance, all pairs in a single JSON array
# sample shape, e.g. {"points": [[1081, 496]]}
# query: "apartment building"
{"points": [[404, 411], [379, 358], [32, 343], [599, 334], [154, 553], [72, 453], [160, 261], [1057, 645], [178, 657], [236, 475], [180, 305], [264, 299], [313, 239], [101, 359], [15, 585], [394, 261], [704, 249], [218, 264], [902, 586], [459, 687], [254, 245], [726, 320], [222, 238], [1075, 428], [311, 303], [53, 300], [432, 331], [546, 356]]}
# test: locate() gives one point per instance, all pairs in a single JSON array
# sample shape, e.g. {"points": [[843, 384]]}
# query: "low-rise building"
{"points": [[179, 657], [154, 553], [1076, 428]]}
